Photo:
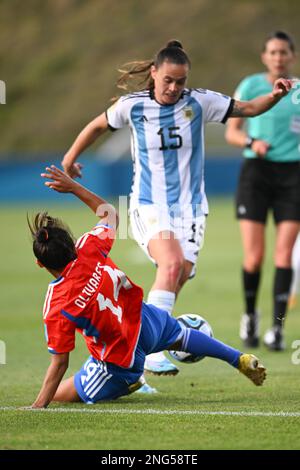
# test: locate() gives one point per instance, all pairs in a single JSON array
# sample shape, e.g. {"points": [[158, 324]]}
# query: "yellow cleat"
{"points": [[249, 366]]}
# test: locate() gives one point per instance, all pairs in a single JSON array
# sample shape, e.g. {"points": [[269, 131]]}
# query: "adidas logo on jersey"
{"points": [[143, 118]]}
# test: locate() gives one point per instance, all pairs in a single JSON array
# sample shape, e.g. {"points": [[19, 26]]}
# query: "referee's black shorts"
{"points": [[265, 185]]}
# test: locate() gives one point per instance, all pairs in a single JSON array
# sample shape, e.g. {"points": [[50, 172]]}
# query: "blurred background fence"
{"points": [[59, 62], [20, 180]]}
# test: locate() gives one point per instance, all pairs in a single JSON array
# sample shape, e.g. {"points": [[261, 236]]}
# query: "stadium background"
{"points": [[59, 60]]}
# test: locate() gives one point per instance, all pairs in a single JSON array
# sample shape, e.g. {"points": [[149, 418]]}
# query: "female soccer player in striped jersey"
{"points": [[168, 205], [92, 296]]}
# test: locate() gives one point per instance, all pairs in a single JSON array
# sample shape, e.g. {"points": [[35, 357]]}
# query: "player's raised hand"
{"points": [[281, 87], [59, 180], [72, 169]]}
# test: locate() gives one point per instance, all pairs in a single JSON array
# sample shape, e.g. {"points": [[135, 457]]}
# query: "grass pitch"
{"points": [[208, 405]]}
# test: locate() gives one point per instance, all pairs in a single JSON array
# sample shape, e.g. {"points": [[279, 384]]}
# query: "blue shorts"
{"points": [[99, 380]]}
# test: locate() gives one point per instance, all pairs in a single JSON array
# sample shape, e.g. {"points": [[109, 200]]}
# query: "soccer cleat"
{"points": [[273, 339], [249, 366], [158, 364], [137, 385], [249, 327], [146, 388]]}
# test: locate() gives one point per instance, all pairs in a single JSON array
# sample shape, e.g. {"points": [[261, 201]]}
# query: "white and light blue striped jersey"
{"points": [[167, 144]]}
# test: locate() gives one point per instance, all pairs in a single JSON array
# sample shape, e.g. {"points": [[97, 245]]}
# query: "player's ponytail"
{"points": [[53, 243], [42, 235], [136, 75]]}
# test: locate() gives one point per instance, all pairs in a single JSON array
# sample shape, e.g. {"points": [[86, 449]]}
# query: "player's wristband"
{"points": [[249, 142]]}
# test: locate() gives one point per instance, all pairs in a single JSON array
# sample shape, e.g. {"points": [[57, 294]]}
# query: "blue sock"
{"points": [[199, 344]]}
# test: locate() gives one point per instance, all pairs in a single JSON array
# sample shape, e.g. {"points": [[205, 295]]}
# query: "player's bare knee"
{"points": [[253, 262]]}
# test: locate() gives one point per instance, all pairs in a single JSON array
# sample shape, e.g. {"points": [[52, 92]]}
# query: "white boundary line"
{"points": [[149, 411]]}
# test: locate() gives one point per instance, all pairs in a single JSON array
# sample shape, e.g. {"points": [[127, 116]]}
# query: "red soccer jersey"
{"points": [[95, 298]]}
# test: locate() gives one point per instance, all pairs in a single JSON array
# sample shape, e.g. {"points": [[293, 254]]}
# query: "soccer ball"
{"points": [[196, 322]]}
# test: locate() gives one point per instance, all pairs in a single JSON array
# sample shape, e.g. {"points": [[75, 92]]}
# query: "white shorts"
{"points": [[148, 220]]}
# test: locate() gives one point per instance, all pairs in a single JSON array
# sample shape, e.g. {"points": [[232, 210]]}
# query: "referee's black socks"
{"points": [[281, 292], [250, 284]]}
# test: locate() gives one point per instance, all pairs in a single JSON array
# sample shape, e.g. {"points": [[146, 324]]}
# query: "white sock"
{"points": [[163, 299]]}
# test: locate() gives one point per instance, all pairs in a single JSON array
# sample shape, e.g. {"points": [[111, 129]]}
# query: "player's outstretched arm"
{"points": [[86, 137], [63, 183], [263, 103], [53, 377]]}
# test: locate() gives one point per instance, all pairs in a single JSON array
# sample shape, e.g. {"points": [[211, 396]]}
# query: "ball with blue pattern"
{"points": [[196, 322]]}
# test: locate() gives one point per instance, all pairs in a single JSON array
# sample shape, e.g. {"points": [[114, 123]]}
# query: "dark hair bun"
{"points": [[42, 236], [175, 43]]}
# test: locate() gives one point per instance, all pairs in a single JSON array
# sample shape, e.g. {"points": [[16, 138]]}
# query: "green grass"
{"points": [[209, 386]]}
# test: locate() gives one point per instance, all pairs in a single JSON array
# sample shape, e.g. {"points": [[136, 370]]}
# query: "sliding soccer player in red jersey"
{"points": [[91, 295]]}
